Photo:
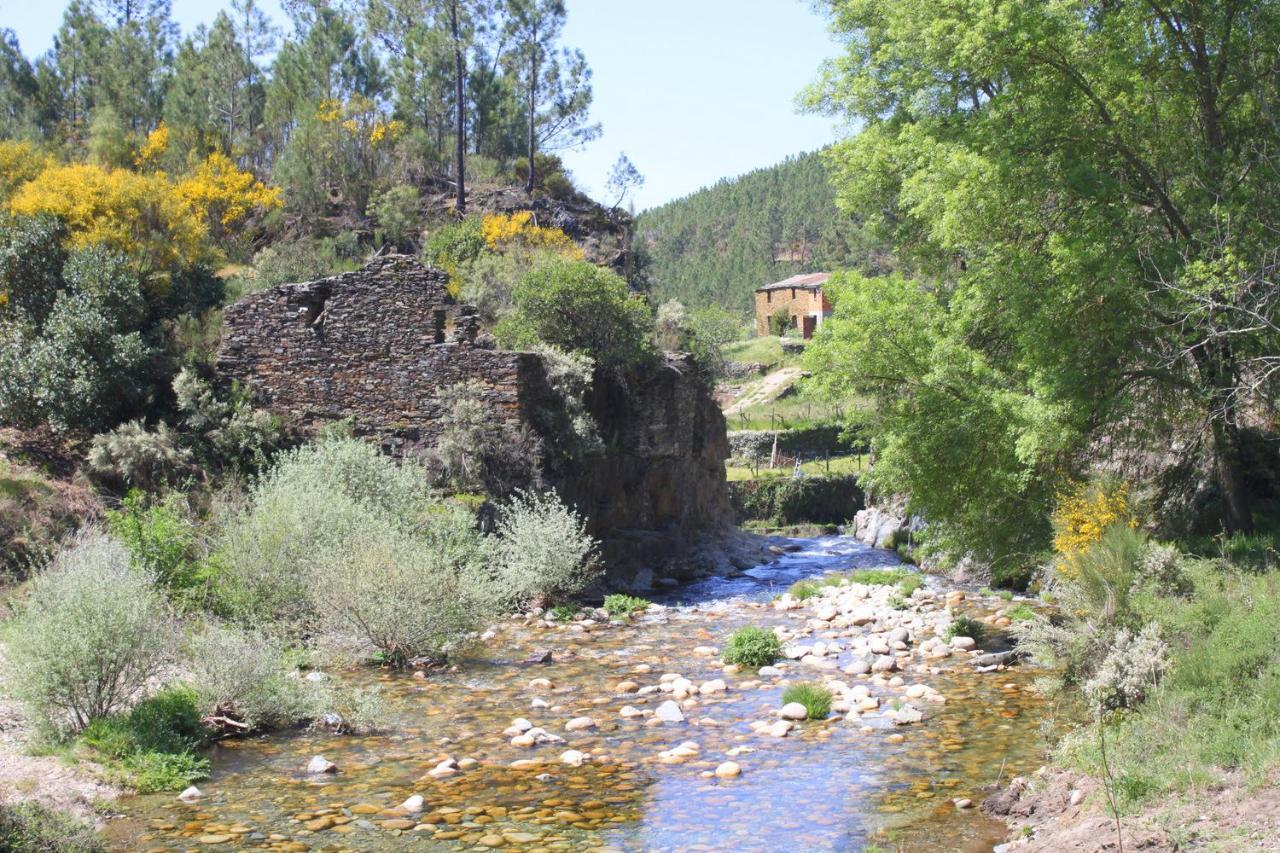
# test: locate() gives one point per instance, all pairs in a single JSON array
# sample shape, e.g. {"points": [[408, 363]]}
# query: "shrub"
{"points": [[787, 500], [227, 433], [307, 259], [544, 550], [1083, 516], [160, 538], [965, 626], [570, 376], [564, 612], [753, 647], [815, 698], [134, 457], [1021, 612], [1133, 667], [909, 584], [579, 307], [244, 676], [624, 605], [474, 451], [356, 711], [36, 828], [89, 634], [408, 596], [168, 721], [314, 498], [151, 772], [396, 211], [455, 244]]}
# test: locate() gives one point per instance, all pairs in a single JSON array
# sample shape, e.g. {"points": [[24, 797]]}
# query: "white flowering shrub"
{"points": [[1131, 669], [544, 550]]}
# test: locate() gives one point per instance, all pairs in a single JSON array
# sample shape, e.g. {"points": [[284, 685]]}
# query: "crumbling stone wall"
{"points": [[377, 346]]}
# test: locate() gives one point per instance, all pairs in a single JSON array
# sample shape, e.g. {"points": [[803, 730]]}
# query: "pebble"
{"points": [[190, 793], [320, 765], [669, 712], [794, 711], [728, 770], [414, 804], [963, 803], [573, 757], [578, 724]]}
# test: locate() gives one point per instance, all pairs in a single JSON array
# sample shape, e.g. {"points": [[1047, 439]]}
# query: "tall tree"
{"points": [[18, 88], [556, 84], [1093, 186]]}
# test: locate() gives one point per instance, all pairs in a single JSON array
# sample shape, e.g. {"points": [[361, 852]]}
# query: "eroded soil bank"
{"points": [[908, 750]]}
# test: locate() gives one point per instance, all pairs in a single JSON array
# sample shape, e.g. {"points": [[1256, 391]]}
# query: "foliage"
{"points": [[134, 457], [909, 584], [716, 246], [564, 612], [518, 231], [225, 432], [878, 577], [20, 162], [1134, 665], [544, 552], [1082, 516], [751, 646], [1021, 612], [408, 596], [290, 262], [805, 590], [815, 698], [31, 827], [570, 425], [151, 748], [476, 452], [88, 635], [965, 626], [396, 211], [579, 307], [160, 538], [455, 244], [619, 604], [788, 500], [1081, 197], [36, 512], [243, 675], [314, 498]]}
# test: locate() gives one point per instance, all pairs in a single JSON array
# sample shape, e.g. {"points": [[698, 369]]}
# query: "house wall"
{"points": [[799, 302], [377, 346]]}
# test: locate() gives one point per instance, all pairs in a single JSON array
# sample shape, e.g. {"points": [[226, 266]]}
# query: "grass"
{"points": [[906, 581], [624, 605], [34, 828], [965, 626], [564, 612], [1003, 594], [766, 351], [151, 748], [754, 647], [1021, 612], [815, 698], [807, 589], [836, 466]]}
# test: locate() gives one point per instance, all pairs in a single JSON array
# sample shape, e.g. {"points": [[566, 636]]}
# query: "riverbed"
{"points": [[838, 784]]}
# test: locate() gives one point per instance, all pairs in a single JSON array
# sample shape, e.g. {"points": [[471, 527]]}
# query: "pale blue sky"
{"points": [[691, 90]]}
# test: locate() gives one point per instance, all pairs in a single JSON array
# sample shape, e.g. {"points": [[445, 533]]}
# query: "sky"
{"points": [[691, 90]]}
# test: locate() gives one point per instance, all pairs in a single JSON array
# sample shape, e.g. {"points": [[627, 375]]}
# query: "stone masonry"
{"points": [[376, 346]]}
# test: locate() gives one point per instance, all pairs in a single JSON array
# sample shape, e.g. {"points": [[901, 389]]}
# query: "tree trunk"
{"points": [[1237, 514], [460, 115]]}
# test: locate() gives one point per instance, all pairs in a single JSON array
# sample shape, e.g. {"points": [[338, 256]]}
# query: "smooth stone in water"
{"points": [[669, 712], [794, 711], [578, 724], [728, 770], [320, 765]]}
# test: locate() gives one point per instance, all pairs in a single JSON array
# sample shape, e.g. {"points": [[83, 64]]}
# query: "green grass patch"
{"points": [[965, 626], [834, 467], [806, 589], [1021, 612], [754, 647], [909, 584], [766, 351], [564, 612], [815, 698], [151, 748], [624, 605], [35, 828]]}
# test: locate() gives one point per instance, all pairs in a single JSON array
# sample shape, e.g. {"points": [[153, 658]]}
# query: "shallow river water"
{"points": [[827, 786]]}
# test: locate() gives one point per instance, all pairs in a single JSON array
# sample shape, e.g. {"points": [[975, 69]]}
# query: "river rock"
{"points": [[728, 770], [794, 711], [712, 687], [884, 663], [669, 712], [414, 804], [964, 644], [906, 715], [573, 757], [579, 724], [190, 794], [769, 670], [858, 667], [629, 711], [626, 687], [780, 728], [319, 765], [518, 727]]}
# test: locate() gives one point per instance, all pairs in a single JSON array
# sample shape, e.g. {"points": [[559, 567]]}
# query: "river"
{"points": [[832, 785]]}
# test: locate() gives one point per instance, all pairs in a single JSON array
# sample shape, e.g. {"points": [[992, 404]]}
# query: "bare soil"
{"points": [[1043, 818]]}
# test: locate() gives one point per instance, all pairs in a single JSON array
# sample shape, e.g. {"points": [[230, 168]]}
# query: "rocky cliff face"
{"points": [[657, 497]]}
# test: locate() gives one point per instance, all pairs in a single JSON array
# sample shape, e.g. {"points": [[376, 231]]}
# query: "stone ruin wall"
{"points": [[377, 346]]}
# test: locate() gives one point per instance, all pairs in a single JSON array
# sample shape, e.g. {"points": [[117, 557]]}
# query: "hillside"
{"points": [[719, 244]]}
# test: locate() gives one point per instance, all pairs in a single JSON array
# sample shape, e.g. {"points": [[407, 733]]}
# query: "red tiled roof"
{"points": [[809, 281]]}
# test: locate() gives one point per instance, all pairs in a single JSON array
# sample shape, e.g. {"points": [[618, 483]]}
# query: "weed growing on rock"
{"points": [[624, 605], [805, 590], [965, 626], [751, 646]]}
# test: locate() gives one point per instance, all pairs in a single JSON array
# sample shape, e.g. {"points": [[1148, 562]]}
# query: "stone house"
{"points": [[801, 297], [376, 346]]}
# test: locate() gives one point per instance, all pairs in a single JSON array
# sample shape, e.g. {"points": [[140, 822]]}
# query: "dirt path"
{"points": [[769, 389]]}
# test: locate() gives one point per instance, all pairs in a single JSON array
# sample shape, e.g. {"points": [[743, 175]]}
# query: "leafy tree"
{"points": [[556, 86], [18, 88], [1087, 187], [624, 179], [578, 307]]}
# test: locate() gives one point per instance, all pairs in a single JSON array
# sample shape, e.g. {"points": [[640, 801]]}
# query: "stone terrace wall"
{"points": [[375, 345]]}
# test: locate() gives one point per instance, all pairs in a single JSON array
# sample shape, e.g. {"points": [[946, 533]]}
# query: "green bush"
{"points": [[544, 551], [878, 577], [409, 596], [564, 612], [815, 698], [624, 605], [754, 647], [314, 498], [396, 212], [475, 451], [225, 431], [1021, 612], [909, 584], [35, 828], [307, 259], [965, 626], [788, 500], [455, 244], [88, 635], [168, 721], [244, 676], [134, 457], [161, 539], [152, 772], [579, 307]]}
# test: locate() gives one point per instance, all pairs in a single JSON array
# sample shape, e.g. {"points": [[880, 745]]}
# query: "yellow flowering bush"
{"points": [[19, 163], [148, 156], [1083, 515], [224, 193], [503, 232]]}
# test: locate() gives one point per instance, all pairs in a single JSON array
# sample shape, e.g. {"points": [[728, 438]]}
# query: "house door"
{"points": [[809, 324]]}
